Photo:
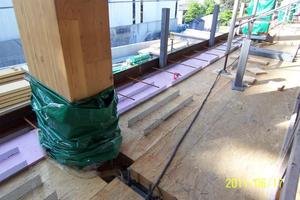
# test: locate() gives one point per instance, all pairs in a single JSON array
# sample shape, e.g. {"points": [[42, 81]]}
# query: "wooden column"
{"points": [[67, 44]]}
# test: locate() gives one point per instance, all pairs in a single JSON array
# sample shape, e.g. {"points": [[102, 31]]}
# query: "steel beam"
{"points": [[267, 38], [214, 25], [238, 82], [165, 22], [274, 54]]}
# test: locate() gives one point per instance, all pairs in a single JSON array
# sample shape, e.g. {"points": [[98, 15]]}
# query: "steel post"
{"points": [[214, 25], [238, 82], [165, 21]]}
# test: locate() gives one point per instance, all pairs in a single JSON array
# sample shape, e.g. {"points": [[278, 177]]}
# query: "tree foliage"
{"points": [[225, 17], [209, 6], [226, 4], [196, 10]]}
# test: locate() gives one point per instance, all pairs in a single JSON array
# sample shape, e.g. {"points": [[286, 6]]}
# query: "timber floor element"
{"points": [[147, 111], [13, 87], [232, 74], [14, 90], [10, 72], [163, 115], [154, 115], [253, 59], [117, 190], [237, 135], [67, 183]]}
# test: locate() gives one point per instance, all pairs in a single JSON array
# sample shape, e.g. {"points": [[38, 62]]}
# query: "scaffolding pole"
{"points": [[231, 31]]}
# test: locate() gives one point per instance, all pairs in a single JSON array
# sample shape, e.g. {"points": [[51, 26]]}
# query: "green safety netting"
{"points": [[261, 25], [80, 133], [294, 9]]}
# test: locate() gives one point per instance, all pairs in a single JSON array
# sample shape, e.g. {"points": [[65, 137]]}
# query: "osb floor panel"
{"points": [[117, 190], [237, 135], [67, 183]]}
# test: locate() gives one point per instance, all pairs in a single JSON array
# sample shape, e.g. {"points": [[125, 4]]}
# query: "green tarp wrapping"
{"points": [[261, 25], [81, 133]]}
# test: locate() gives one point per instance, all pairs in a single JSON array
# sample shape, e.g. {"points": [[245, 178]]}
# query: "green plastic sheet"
{"points": [[261, 25], [139, 59], [81, 133]]}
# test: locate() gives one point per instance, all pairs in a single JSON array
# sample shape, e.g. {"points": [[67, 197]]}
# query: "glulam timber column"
{"points": [[67, 44]]}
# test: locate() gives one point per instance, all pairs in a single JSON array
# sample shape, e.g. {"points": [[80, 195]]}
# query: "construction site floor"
{"points": [[237, 136]]}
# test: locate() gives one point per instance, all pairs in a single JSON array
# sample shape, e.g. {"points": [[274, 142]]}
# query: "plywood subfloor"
{"points": [[117, 190], [237, 135], [67, 183]]}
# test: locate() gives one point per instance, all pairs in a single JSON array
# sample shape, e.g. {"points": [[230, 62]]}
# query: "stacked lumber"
{"points": [[11, 74], [14, 90]]}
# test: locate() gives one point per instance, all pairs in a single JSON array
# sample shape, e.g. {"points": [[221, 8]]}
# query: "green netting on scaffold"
{"points": [[261, 25]]}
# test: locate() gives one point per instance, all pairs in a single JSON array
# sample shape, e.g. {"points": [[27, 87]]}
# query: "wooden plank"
{"points": [[152, 108], [14, 98], [52, 196], [8, 109], [67, 44], [9, 72], [13, 87], [68, 183], [14, 102], [15, 95], [256, 70], [23, 189], [253, 60], [166, 115], [231, 75], [11, 78], [117, 190]]}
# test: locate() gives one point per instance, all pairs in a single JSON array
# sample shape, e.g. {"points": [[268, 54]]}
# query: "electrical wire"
{"points": [[149, 196]]}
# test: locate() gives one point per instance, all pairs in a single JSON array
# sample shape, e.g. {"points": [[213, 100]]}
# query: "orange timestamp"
{"points": [[235, 183]]}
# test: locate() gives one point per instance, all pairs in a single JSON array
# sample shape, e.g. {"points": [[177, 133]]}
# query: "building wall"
{"points": [[123, 35], [121, 11]]}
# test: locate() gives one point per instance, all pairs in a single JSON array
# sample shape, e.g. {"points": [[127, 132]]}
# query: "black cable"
{"points": [[149, 196]]}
